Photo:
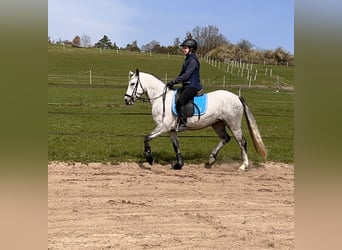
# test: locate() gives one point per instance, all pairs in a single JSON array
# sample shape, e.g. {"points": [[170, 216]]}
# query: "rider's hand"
{"points": [[169, 84]]}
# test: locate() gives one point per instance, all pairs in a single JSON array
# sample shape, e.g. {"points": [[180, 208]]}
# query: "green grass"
{"points": [[91, 123]]}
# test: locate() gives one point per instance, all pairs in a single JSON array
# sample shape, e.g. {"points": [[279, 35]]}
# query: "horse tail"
{"points": [[253, 130]]}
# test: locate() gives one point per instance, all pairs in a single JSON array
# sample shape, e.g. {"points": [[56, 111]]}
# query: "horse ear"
{"points": [[130, 74], [137, 72]]}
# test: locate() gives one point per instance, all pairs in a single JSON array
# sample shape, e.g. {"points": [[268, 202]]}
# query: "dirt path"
{"points": [[131, 206]]}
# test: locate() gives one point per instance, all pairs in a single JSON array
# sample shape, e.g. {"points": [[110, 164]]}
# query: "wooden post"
{"points": [[90, 76], [256, 72]]}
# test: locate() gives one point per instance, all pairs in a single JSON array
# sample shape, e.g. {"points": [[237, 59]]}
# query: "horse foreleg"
{"points": [[225, 138], [147, 148], [174, 138]]}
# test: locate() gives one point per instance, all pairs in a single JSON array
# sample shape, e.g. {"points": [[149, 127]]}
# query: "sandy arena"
{"points": [[137, 206]]}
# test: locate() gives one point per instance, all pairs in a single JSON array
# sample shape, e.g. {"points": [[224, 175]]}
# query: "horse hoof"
{"points": [[212, 159], [243, 167], [207, 165], [149, 158], [177, 166]]}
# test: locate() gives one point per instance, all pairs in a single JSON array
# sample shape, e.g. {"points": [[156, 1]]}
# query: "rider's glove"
{"points": [[169, 84]]}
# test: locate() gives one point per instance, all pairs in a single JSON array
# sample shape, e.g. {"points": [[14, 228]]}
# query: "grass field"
{"points": [[89, 122]]}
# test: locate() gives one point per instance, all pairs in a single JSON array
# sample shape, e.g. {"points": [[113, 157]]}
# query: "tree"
{"points": [[133, 46], [149, 46], [176, 42], [76, 42], [104, 43], [85, 41], [245, 45], [281, 56], [208, 38], [188, 35], [175, 48]]}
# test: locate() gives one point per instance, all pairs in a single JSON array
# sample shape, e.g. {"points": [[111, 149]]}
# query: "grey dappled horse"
{"points": [[224, 109]]}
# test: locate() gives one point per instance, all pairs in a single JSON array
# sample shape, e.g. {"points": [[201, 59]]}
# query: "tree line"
{"points": [[211, 44]]}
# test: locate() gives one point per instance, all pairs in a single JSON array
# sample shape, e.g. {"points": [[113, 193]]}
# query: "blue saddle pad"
{"points": [[200, 101]]}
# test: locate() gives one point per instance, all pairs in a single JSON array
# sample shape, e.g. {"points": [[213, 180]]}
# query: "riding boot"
{"points": [[182, 119]]}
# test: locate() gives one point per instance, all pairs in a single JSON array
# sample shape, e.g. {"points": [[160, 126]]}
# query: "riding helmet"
{"points": [[191, 43]]}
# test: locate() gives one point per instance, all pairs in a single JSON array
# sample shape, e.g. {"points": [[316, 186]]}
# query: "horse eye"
{"points": [[132, 84]]}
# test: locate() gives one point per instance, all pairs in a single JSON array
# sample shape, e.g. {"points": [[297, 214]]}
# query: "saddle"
{"points": [[197, 107]]}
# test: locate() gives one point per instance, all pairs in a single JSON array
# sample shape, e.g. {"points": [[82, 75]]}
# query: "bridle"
{"points": [[134, 95]]}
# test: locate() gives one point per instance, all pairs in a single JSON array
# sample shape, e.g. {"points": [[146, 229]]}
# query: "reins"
{"points": [[148, 99]]}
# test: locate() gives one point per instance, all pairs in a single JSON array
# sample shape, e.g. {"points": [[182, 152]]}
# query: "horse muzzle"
{"points": [[129, 100]]}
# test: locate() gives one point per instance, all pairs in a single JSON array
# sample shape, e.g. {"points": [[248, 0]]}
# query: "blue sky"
{"points": [[267, 24]]}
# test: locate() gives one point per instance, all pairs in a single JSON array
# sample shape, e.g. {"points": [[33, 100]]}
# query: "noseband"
{"points": [[134, 92]]}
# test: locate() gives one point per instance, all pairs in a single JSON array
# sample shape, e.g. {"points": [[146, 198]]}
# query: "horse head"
{"points": [[134, 89]]}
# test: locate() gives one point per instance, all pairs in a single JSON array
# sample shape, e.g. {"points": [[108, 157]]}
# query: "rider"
{"points": [[190, 79]]}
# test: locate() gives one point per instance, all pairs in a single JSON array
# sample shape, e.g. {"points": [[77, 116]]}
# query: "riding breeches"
{"points": [[186, 95]]}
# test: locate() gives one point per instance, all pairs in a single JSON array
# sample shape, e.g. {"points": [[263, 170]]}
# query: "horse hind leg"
{"points": [[243, 147], [224, 139]]}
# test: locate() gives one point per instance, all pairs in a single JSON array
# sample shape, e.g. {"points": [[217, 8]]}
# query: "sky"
{"points": [[267, 24]]}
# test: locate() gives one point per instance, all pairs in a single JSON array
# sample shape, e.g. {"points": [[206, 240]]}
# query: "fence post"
{"points": [[256, 72], [90, 76]]}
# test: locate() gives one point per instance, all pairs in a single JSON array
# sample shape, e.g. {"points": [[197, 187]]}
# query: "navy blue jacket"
{"points": [[189, 75]]}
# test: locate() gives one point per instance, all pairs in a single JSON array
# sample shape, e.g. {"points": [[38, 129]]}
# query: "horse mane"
{"points": [[153, 76]]}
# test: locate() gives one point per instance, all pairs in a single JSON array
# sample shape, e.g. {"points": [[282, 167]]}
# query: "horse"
{"points": [[224, 109]]}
